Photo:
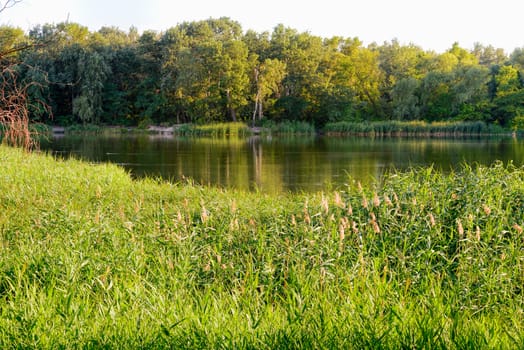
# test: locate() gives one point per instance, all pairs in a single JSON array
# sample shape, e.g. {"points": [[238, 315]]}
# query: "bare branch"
{"points": [[14, 116], [19, 48], [8, 4], [15, 104]]}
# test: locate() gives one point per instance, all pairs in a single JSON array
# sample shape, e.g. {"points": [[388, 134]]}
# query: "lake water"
{"points": [[282, 163]]}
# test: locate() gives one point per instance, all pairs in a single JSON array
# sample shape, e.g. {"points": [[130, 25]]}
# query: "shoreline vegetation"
{"points": [[239, 129], [91, 258]]}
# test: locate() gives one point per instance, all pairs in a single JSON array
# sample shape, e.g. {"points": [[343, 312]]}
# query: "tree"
{"points": [[470, 84], [93, 71], [436, 99], [267, 77], [507, 80], [399, 62], [517, 58], [206, 69], [235, 79], [488, 55], [464, 57], [358, 71], [12, 40], [405, 100], [302, 54]]}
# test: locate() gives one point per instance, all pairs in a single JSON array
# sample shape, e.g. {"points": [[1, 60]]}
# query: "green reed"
{"points": [[217, 129], [91, 258], [413, 128]]}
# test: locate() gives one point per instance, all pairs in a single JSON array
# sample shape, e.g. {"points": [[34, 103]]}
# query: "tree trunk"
{"points": [[232, 111], [255, 111], [260, 111]]}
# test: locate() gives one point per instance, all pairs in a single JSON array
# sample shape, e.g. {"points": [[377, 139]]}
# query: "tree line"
{"points": [[212, 71]]}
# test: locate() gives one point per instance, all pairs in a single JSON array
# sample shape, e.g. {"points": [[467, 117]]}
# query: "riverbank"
{"points": [[91, 258], [363, 129]]}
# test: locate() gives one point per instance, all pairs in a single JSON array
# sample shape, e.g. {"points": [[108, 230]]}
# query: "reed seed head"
{"points": [[431, 220], [233, 225], [307, 219], [341, 232], [376, 200], [354, 227], [350, 210], [364, 202], [487, 210], [325, 205], [204, 215], [375, 226], [338, 200], [460, 228]]}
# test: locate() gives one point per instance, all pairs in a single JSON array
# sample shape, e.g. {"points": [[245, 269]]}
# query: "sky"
{"points": [[431, 24]]}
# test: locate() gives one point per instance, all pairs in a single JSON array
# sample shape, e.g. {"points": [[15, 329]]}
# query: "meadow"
{"points": [[91, 258]]}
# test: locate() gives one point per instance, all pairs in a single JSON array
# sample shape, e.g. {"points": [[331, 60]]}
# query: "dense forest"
{"points": [[211, 71]]}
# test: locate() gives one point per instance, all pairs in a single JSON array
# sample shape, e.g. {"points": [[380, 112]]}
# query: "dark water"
{"points": [[282, 164]]}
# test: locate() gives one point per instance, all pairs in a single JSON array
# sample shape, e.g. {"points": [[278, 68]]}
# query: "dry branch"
{"points": [[14, 111]]}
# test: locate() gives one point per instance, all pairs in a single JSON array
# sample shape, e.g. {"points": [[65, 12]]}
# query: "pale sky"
{"points": [[431, 24]]}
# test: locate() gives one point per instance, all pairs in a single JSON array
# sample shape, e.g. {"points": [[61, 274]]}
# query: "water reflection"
{"points": [[282, 164]]}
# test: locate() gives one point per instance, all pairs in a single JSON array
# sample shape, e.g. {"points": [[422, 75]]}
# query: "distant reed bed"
{"points": [[218, 129], [413, 128]]}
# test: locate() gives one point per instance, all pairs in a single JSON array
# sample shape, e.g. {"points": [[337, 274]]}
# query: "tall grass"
{"points": [[289, 127], [91, 258], [413, 128], [218, 129]]}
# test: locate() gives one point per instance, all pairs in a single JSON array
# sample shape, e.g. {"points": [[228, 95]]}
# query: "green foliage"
{"points": [[210, 72], [93, 71], [290, 127], [145, 123], [413, 128], [83, 128], [405, 100], [517, 123], [92, 259], [507, 107], [232, 129]]}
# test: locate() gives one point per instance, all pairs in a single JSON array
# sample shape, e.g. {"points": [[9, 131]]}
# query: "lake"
{"points": [[276, 164]]}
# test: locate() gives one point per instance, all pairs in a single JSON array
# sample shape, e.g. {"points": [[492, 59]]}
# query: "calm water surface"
{"points": [[282, 164]]}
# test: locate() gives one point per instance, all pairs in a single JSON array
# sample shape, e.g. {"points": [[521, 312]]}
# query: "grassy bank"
{"points": [[289, 128], [214, 130], [415, 128], [378, 128], [91, 258]]}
